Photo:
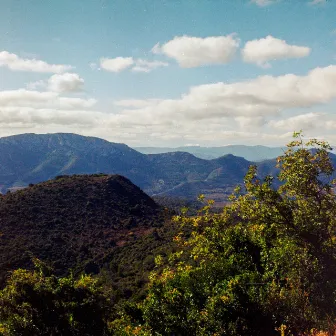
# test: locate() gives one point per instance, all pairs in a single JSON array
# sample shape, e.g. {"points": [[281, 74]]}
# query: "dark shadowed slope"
{"points": [[73, 222]]}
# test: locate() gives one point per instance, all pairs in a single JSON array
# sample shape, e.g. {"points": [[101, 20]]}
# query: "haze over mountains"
{"points": [[33, 158], [251, 153]]}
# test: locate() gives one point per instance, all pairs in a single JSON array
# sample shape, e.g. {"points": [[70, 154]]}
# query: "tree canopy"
{"points": [[265, 266], [39, 303]]}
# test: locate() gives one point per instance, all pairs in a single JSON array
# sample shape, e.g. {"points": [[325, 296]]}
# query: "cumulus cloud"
{"points": [[264, 3], [192, 52], [270, 48], [36, 85], [24, 110], [206, 113], [37, 99], [250, 122], [117, 64], [148, 66], [261, 97], [136, 103], [14, 62], [16, 116], [66, 82], [307, 121]]}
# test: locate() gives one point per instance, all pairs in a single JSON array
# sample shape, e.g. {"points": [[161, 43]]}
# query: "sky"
{"points": [[169, 72]]}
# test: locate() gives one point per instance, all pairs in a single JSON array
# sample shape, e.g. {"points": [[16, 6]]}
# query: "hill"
{"points": [[32, 158], [215, 180], [78, 223], [250, 153]]}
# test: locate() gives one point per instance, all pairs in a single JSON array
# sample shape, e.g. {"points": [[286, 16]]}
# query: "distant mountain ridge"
{"points": [[250, 153], [33, 158]]}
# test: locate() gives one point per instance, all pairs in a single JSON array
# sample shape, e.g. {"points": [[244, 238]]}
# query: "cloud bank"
{"points": [[267, 49]]}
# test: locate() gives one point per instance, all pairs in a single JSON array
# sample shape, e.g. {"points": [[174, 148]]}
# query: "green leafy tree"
{"points": [[266, 265], [38, 303]]}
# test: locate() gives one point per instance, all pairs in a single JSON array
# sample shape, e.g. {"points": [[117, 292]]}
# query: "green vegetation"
{"points": [[38, 303], [97, 224], [264, 266]]}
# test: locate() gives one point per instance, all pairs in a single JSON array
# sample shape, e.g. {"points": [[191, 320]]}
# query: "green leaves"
{"points": [[34, 303], [268, 261]]}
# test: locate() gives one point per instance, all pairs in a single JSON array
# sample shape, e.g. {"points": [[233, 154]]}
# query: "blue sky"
{"points": [[204, 83]]}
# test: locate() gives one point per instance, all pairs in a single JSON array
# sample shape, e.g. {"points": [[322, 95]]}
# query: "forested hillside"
{"points": [[264, 266], [84, 224]]}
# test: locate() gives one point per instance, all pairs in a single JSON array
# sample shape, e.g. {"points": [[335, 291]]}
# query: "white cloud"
{"points": [[66, 82], [192, 52], [36, 99], [32, 86], [250, 122], [252, 101], [264, 3], [117, 64], [24, 97], [270, 48], [148, 66], [331, 125], [75, 103], [16, 116], [14, 62], [207, 114], [307, 121], [136, 103], [24, 109]]}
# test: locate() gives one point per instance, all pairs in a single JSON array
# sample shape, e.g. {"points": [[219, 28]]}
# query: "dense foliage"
{"points": [[266, 265], [93, 224], [38, 303]]}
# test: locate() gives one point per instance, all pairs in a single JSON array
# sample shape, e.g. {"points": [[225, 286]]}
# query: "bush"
{"points": [[38, 303], [265, 266]]}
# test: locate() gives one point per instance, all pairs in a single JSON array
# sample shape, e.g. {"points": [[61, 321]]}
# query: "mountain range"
{"points": [[31, 158], [251, 153]]}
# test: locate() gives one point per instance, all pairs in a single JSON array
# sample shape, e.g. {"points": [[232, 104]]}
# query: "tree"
{"points": [[266, 265], [38, 303]]}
